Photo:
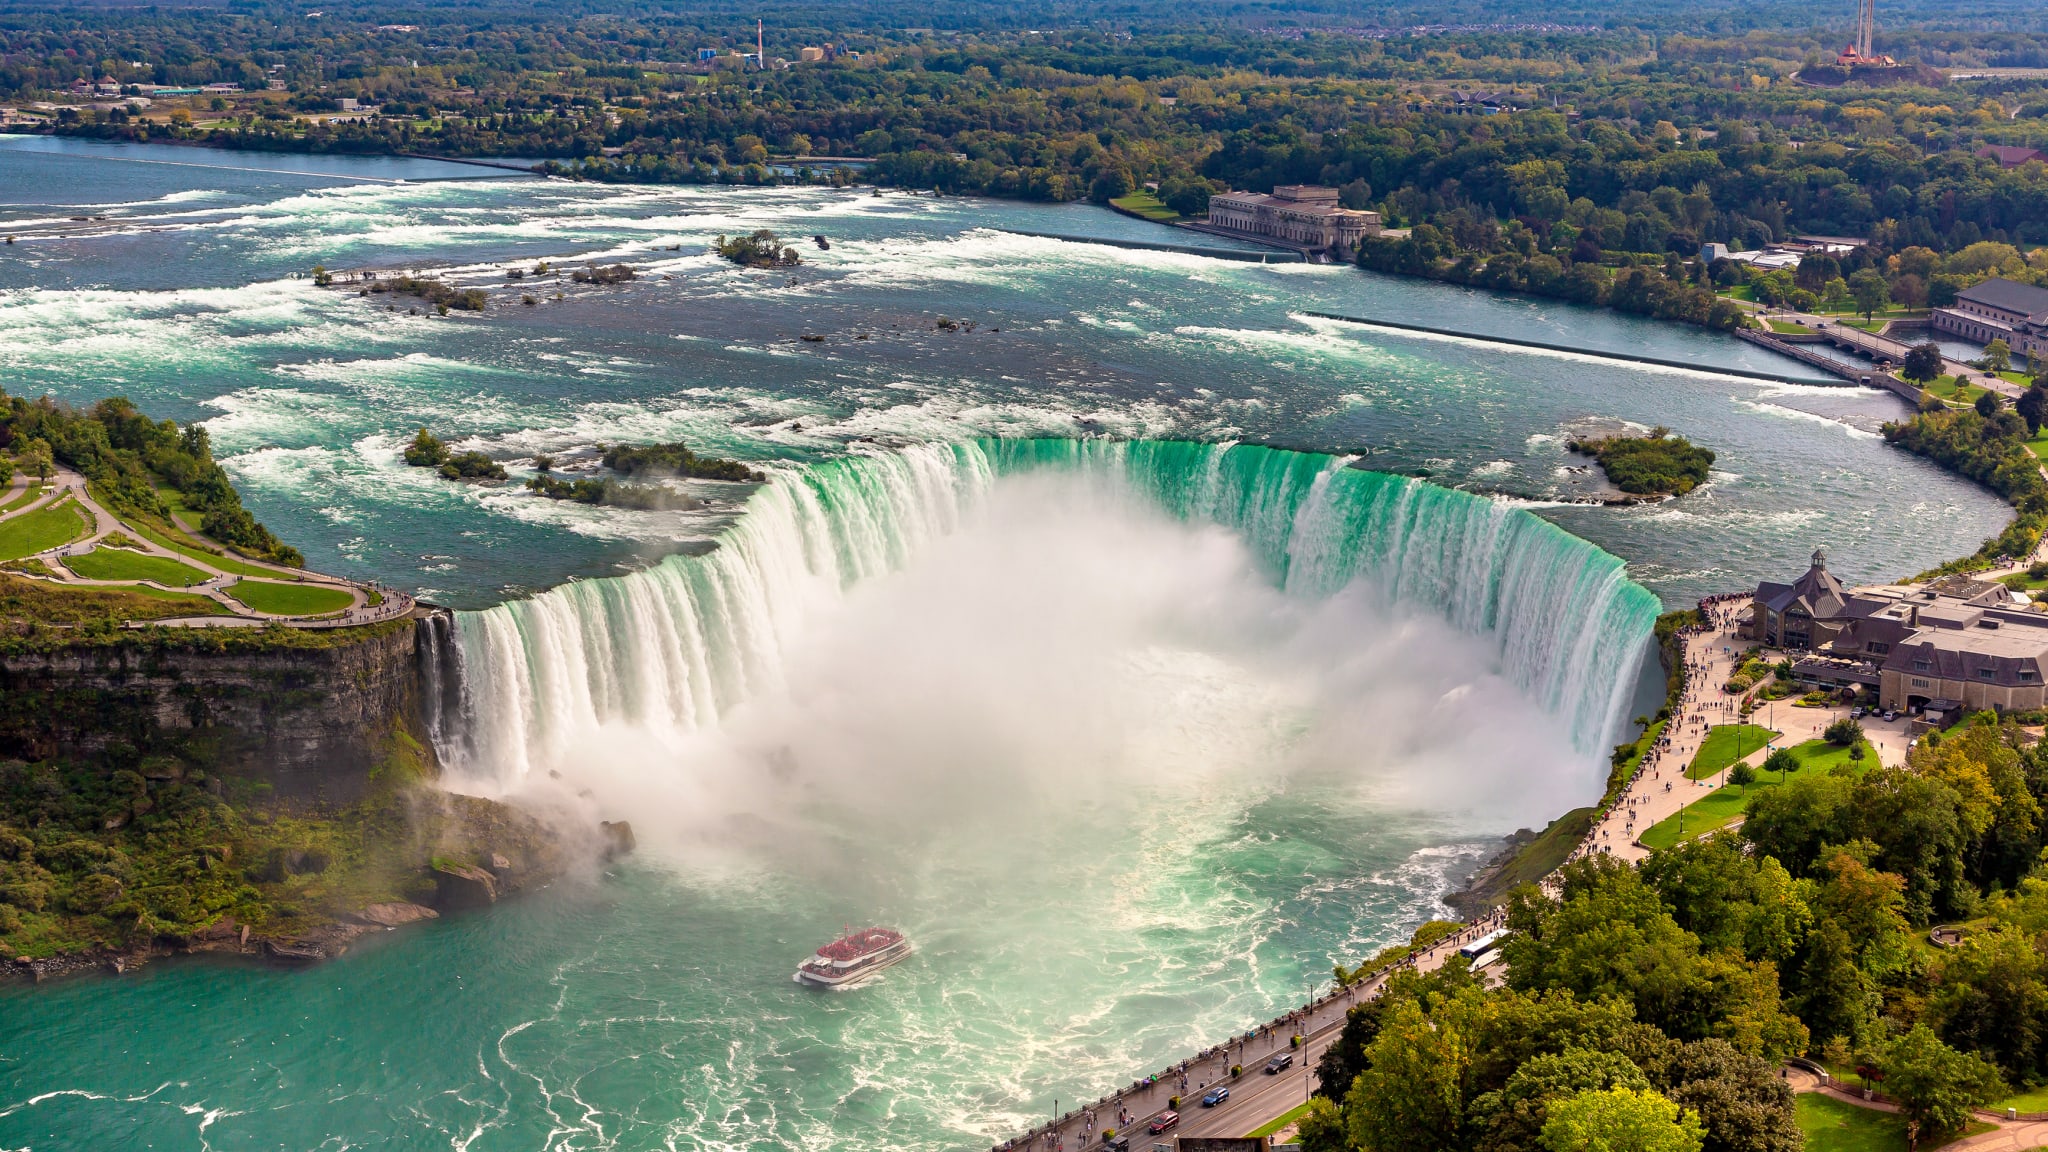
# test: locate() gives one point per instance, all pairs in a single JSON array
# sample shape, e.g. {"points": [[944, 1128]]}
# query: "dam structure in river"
{"points": [[677, 645]]}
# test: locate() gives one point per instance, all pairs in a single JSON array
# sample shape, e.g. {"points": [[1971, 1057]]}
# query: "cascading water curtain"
{"points": [[674, 646]]}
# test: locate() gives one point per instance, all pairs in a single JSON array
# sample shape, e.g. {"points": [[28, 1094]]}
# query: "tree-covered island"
{"points": [[1657, 464]]}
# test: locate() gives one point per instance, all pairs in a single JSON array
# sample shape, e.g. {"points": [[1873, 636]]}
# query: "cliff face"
{"points": [[305, 722]]}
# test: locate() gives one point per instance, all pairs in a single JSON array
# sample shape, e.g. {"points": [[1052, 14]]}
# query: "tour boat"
{"points": [[853, 958]]}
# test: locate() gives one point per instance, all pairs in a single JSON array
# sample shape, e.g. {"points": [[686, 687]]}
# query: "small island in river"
{"points": [[1659, 464]]}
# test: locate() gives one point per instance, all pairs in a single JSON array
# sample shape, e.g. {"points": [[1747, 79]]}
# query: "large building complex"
{"points": [[1297, 215], [1999, 309], [1955, 643]]}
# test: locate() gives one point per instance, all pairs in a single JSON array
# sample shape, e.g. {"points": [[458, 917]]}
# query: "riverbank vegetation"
{"points": [[1658, 464], [1990, 447]]}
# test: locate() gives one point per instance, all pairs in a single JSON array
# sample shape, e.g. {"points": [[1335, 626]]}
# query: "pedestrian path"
{"points": [[365, 605]]}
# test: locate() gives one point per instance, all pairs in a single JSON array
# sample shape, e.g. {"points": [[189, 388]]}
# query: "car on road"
{"points": [[1117, 1144], [1890, 715], [1856, 713], [1162, 1122], [1216, 1096], [1274, 1065]]}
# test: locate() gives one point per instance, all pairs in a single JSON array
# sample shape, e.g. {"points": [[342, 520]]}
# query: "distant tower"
{"points": [[1866, 23], [761, 43]]}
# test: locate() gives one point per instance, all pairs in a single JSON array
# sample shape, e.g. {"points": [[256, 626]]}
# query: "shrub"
{"points": [[1844, 732], [1742, 775]]}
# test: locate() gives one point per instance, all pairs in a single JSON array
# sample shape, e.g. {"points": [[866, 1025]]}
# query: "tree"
{"points": [[426, 450], [2033, 407], [1321, 1128], [1935, 1085], [1783, 761], [1411, 1098], [1992, 999], [1513, 1118], [1742, 775], [1739, 1099], [1843, 732], [1871, 292], [1998, 356], [37, 460], [1923, 363], [1621, 1120], [1988, 404]]}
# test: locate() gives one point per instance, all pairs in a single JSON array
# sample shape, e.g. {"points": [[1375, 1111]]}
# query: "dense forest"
{"points": [[1656, 1000], [1620, 145]]}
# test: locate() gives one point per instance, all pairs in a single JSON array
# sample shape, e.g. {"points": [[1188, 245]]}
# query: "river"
{"points": [[1134, 741]]}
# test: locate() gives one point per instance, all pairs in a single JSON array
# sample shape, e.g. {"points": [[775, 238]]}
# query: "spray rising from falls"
{"points": [[675, 647]]}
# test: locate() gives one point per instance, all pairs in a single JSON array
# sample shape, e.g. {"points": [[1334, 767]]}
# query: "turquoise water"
{"points": [[1133, 740]]}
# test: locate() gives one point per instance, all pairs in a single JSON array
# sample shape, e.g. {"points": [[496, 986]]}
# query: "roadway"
{"points": [[1255, 1098]]}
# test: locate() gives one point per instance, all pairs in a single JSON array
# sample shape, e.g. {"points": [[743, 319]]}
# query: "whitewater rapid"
{"points": [[678, 645]]}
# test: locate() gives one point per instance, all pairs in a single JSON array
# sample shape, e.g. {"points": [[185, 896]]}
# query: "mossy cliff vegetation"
{"points": [[1659, 464], [270, 800]]}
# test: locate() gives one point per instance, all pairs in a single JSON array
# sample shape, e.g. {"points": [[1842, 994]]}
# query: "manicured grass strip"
{"points": [[1147, 205], [121, 564], [44, 528], [1279, 1122], [1720, 807], [184, 546], [1832, 1124], [1710, 814], [290, 599], [29, 495], [1724, 745], [190, 604]]}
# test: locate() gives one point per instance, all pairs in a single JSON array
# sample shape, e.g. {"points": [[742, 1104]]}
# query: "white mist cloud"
{"points": [[1072, 662]]}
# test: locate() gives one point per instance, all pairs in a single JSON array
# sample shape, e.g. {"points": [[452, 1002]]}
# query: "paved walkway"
{"points": [[1660, 787], [70, 485]]}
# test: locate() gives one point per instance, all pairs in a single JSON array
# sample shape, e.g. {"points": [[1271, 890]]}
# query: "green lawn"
{"points": [[1145, 204], [1710, 814], [2035, 1101], [1787, 327], [1276, 1124], [1724, 745], [32, 532], [184, 546], [121, 564], [1832, 1124], [1719, 808], [29, 495], [1953, 391], [290, 599], [193, 605]]}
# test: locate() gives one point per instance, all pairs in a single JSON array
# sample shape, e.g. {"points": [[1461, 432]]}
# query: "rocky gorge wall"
{"points": [[306, 720]]}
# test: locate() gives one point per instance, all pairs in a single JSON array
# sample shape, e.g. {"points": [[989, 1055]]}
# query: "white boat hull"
{"points": [[854, 977]]}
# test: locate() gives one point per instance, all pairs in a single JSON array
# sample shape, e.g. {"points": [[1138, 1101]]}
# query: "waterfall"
{"points": [[677, 645]]}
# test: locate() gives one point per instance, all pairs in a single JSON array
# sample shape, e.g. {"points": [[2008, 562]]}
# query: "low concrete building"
{"points": [[1302, 216], [1998, 309]]}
